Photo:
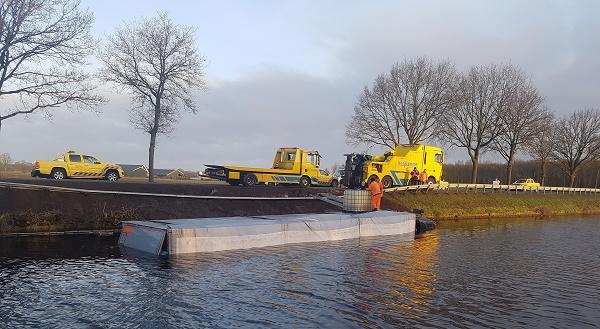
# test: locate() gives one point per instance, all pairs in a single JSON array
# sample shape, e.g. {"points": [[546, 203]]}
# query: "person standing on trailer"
{"points": [[376, 189]]}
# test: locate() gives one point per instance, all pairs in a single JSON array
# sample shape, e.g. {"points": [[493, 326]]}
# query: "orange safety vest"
{"points": [[375, 188], [423, 176]]}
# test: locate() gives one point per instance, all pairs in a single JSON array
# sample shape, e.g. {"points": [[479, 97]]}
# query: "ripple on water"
{"points": [[517, 273]]}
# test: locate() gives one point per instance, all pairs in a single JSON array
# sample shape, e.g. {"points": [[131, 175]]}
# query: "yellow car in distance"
{"points": [[76, 165], [526, 182]]}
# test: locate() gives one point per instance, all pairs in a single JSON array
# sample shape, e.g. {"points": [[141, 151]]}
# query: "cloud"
{"points": [[293, 80]]}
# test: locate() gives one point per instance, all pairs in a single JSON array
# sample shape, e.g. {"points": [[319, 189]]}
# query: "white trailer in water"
{"points": [[181, 236]]}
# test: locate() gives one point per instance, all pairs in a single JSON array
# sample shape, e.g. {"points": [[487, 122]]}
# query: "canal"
{"points": [[497, 273]]}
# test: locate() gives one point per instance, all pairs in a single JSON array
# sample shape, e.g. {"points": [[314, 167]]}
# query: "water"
{"points": [[503, 273]]}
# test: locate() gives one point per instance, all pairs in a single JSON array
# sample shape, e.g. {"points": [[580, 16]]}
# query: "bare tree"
{"points": [[5, 161], [577, 141], [158, 63], [43, 45], [521, 120], [541, 145], [473, 122], [408, 101]]}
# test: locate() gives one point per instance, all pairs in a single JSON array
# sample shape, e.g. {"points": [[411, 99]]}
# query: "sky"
{"points": [[288, 73]]}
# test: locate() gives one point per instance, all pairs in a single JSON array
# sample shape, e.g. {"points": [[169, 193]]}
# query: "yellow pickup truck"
{"points": [[526, 182], [76, 165]]}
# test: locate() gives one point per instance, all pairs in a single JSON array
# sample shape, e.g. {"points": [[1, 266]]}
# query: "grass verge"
{"points": [[441, 206]]}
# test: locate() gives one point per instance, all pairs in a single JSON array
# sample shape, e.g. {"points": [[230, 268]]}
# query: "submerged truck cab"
{"points": [[291, 165]]}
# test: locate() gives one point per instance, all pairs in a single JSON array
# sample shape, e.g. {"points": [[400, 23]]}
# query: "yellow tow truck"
{"points": [[76, 165], [291, 165], [394, 167]]}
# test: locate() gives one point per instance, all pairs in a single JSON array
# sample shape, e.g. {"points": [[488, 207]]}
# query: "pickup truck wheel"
{"points": [[304, 181], [249, 180], [58, 174], [387, 182], [112, 176]]}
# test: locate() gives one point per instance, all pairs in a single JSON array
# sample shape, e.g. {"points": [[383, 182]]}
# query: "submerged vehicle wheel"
{"points": [[304, 181], [250, 180], [112, 176], [58, 174], [387, 182]]}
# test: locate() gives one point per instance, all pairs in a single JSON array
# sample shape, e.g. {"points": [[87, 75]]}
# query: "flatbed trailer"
{"points": [[290, 166]]}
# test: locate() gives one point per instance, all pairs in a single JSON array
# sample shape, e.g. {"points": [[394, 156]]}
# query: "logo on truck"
{"points": [[407, 164]]}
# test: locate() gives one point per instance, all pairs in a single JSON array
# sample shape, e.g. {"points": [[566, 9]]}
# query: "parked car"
{"points": [[526, 182], [76, 165]]}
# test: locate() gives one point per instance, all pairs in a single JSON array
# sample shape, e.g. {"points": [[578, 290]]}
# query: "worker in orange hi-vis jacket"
{"points": [[376, 189], [423, 176]]}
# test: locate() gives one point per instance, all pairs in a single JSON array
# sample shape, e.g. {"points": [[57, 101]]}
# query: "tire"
{"points": [[304, 181], [431, 180], [111, 175], [249, 180], [387, 182], [58, 174], [334, 183], [371, 178]]}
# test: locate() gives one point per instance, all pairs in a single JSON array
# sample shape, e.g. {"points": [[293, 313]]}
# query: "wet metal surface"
{"points": [[501, 273]]}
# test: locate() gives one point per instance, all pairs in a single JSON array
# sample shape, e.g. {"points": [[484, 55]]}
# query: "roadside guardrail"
{"points": [[23, 186], [492, 188]]}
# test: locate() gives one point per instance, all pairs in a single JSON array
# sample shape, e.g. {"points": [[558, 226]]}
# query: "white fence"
{"points": [[490, 188]]}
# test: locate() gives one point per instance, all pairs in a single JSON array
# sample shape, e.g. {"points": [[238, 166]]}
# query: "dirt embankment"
{"points": [[34, 210], [442, 206]]}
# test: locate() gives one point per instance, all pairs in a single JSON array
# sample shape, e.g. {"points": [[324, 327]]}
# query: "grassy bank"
{"points": [[441, 206]]}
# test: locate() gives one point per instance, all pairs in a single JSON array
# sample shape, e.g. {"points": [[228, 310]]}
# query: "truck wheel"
{"points": [[431, 180], [112, 176], [371, 178], [304, 181], [387, 182], [58, 173], [249, 180]]}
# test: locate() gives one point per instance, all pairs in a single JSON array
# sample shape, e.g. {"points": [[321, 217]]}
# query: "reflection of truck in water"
{"points": [[394, 167], [290, 166]]}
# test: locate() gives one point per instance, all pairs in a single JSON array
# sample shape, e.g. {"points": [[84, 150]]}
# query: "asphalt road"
{"points": [[185, 187]]}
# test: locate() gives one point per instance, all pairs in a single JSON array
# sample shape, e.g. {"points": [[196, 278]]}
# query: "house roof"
{"points": [[166, 172], [132, 167]]}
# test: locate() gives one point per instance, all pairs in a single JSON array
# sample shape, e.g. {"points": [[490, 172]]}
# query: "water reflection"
{"points": [[508, 273]]}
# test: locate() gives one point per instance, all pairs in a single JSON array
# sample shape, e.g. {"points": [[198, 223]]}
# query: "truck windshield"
{"points": [[439, 158]]}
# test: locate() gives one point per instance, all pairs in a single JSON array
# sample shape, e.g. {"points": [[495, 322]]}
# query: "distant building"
{"points": [[134, 170], [170, 173]]}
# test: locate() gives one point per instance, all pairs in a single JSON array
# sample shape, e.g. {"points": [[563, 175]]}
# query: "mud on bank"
{"points": [[45, 211]]}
